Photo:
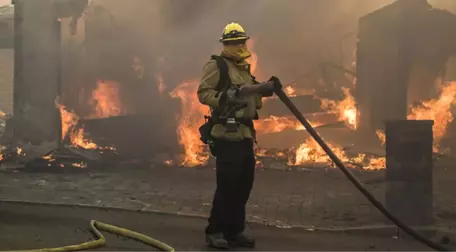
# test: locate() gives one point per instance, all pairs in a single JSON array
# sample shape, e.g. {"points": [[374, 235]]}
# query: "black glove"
{"points": [[276, 81], [228, 96], [232, 94], [277, 85], [231, 98]]}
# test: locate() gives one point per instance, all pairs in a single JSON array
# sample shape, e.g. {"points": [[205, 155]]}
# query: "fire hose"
{"points": [[294, 110], [95, 227]]}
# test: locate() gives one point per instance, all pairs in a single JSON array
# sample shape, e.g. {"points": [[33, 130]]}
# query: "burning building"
{"points": [[122, 88], [402, 52]]}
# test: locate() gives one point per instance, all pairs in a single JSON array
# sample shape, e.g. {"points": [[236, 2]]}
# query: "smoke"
{"points": [[176, 37], [5, 2], [444, 4], [290, 36]]}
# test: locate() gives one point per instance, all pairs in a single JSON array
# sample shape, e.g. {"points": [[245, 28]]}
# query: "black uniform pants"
{"points": [[235, 169]]}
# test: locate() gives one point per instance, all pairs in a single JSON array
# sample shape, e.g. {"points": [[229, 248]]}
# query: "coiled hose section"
{"points": [[96, 226], [284, 98]]}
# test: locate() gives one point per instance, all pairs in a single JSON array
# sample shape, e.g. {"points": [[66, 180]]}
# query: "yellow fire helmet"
{"points": [[233, 31]]}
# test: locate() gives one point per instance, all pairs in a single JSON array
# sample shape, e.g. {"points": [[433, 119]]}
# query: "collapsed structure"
{"points": [[60, 70], [112, 93], [402, 51]]}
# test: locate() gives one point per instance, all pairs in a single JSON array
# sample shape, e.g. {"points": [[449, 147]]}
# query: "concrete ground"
{"points": [[25, 226], [315, 197]]}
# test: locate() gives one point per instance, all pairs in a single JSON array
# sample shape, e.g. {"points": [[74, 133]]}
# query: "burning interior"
{"points": [[120, 93]]}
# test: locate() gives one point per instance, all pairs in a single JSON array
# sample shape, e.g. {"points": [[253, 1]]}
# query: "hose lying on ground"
{"points": [[284, 98], [96, 226]]}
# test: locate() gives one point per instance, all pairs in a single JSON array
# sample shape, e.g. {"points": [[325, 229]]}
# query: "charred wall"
{"points": [[174, 38], [402, 50]]}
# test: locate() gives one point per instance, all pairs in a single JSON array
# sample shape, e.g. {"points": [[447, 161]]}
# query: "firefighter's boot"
{"points": [[217, 241], [241, 241]]}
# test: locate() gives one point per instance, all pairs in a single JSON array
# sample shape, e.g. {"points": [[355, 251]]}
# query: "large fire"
{"points": [[106, 100], [191, 118], [68, 119], [292, 90], [277, 124], [310, 153], [381, 136], [76, 136], [346, 109], [438, 110], [253, 60]]}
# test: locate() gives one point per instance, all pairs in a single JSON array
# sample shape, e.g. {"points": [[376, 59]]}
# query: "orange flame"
{"points": [[375, 163], [69, 122], [311, 152], [69, 119], [438, 110], [276, 124], [346, 109], [273, 124], [381, 136], [81, 165], [191, 118], [259, 164], [252, 60], [290, 91], [106, 100], [78, 139]]}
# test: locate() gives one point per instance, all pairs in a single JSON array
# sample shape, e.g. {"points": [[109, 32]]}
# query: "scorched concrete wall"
{"points": [[6, 80]]}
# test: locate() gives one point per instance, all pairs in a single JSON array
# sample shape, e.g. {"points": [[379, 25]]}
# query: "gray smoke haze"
{"points": [[290, 37]]}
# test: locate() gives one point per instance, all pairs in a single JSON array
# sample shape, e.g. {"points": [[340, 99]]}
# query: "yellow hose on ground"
{"points": [[96, 226]]}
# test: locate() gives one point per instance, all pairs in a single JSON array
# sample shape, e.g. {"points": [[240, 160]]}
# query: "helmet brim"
{"points": [[234, 39]]}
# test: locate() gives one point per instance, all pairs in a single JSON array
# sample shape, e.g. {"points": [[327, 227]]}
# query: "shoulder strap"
{"points": [[253, 77], [225, 80]]}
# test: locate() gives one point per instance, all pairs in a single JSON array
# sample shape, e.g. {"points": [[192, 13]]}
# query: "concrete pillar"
{"points": [[37, 73], [382, 67], [402, 50], [36, 120], [409, 171]]}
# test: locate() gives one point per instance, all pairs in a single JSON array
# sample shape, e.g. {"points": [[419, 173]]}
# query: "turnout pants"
{"points": [[235, 169]]}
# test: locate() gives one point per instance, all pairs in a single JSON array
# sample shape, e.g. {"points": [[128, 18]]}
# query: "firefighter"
{"points": [[231, 135]]}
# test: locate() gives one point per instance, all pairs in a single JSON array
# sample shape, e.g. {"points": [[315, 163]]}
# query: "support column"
{"points": [[37, 42], [409, 171], [37, 75]]}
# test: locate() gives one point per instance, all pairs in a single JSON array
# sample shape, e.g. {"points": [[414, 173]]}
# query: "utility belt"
{"points": [[231, 125], [228, 122]]}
